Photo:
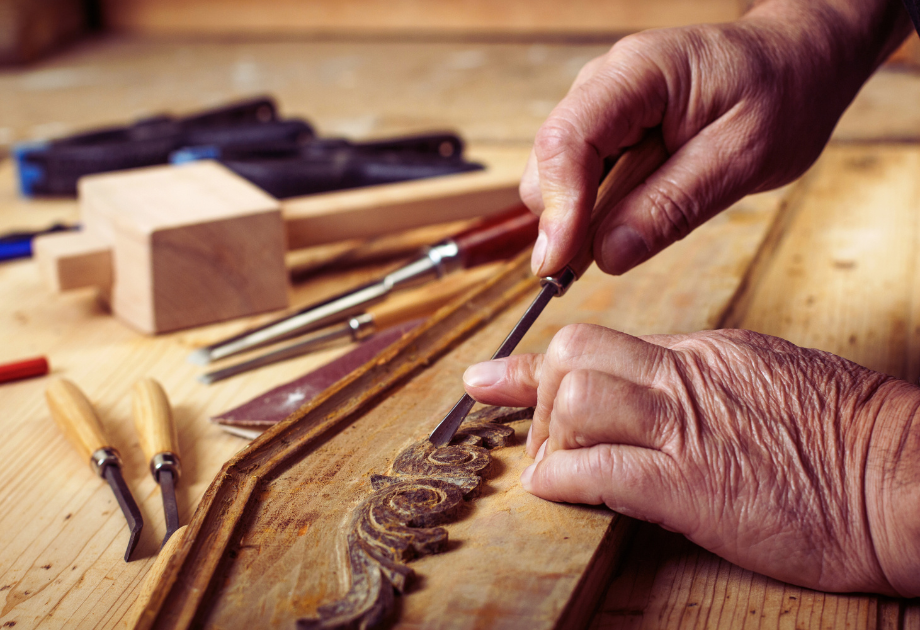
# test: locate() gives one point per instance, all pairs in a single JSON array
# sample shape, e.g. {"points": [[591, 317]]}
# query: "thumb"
{"points": [[638, 482], [510, 382], [706, 175]]}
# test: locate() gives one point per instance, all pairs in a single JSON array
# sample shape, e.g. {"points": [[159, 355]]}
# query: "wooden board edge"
{"points": [[186, 580], [591, 587]]}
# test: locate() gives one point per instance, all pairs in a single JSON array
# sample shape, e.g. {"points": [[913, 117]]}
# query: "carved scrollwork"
{"points": [[425, 487]]}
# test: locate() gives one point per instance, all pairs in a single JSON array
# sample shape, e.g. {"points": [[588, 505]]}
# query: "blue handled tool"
{"points": [[15, 245]]}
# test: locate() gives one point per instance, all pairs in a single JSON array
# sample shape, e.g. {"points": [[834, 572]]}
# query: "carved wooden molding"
{"points": [[181, 595], [426, 487]]}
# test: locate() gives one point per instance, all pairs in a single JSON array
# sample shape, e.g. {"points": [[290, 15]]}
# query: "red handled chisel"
{"points": [[496, 238]]}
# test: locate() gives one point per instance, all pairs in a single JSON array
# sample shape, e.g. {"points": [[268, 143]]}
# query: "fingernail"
{"points": [[527, 444], [539, 253], [526, 476], [541, 452], [484, 374], [623, 249]]}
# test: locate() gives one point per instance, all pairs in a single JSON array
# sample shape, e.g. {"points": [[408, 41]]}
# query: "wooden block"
{"points": [[73, 260], [197, 244], [190, 245], [377, 210]]}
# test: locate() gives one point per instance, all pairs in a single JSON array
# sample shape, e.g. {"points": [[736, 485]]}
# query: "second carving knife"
{"points": [[496, 238], [630, 170], [157, 432]]}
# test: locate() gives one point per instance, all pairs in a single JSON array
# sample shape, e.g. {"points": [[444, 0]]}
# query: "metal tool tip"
{"points": [[133, 540], [201, 356], [206, 379]]}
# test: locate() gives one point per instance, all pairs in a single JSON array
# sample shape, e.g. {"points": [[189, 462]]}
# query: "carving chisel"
{"points": [[397, 310], [153, 420], [74, 414], [494, 239], [631, 169]]}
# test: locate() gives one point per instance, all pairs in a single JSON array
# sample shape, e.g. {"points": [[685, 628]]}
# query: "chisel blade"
{"points": [[170, 507], [445, 431], [132, 513]]}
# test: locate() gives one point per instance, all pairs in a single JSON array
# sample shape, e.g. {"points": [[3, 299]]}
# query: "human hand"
{"points": [[744, 107], [791, 462]]}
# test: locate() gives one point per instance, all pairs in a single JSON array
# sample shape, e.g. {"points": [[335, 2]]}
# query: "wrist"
{"points": [[842, 41], [892, 487]]}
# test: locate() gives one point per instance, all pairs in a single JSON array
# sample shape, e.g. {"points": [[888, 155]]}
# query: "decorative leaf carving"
{"points": [[399, 522]]}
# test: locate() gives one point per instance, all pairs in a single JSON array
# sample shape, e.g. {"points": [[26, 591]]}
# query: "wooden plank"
{"points": [[309, 489], [411, 16]]}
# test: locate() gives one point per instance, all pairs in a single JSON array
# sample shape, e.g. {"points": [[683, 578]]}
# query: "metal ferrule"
{"points": [[361, 326], [438, 261], [105, 456], [561, 282], [165, 461]]}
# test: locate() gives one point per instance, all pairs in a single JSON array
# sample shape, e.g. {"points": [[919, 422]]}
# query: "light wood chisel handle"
{"points": [[153, 419], [75, 415], [631, 169]]}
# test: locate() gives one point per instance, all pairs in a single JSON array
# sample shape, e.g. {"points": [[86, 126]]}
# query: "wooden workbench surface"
{"points": [[837, 271]]}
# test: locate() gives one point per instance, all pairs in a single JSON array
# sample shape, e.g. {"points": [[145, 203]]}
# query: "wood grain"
{"points": [[412, 16], [76, 418], [153, 419]]}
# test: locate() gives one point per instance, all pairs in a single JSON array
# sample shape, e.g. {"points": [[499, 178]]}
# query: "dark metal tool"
{"points": [[495, 238], [53, 167], [153, 420], [630, 170], [75, 415], [397, 310]]}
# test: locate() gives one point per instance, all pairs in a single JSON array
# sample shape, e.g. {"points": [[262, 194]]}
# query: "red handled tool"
{"points": [[26, 368], [493, 239]]}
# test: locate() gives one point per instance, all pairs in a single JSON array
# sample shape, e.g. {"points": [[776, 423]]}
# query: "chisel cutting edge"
{"points": [[75, 415], [630, 170]]}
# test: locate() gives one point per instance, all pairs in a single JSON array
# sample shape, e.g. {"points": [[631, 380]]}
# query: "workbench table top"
{"points": [[851, 290]]}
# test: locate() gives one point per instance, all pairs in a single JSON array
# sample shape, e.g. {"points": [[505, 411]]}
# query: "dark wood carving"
{"points": [[425, 487]]}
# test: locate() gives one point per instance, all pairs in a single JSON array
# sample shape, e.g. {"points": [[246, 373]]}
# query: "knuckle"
{"points": [[673, 213], [556, 136], [570, 343]]}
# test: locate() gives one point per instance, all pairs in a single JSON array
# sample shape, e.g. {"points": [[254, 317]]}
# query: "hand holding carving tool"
{"points": [[494, 239], [396, 310], [74, 414], [153, 420], [631, 169]]}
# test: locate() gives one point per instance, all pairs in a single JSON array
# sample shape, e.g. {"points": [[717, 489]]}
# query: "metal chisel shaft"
{"points": [[630, 170]]}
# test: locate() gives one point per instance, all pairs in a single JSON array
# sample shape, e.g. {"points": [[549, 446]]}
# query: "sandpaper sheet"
{"points": [[277, 404]]}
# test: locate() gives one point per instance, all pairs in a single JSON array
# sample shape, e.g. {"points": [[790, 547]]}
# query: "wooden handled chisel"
{"points": [[153, 420], [407, 306], [495, 238], [75, 415], [633, 167]]}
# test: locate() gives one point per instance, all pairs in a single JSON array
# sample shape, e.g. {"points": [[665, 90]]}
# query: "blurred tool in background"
{"points": [[281, 156]]}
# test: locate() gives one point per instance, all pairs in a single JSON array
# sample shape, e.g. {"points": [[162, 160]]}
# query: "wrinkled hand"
{"points": [[791, 462], [744, 107]]}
